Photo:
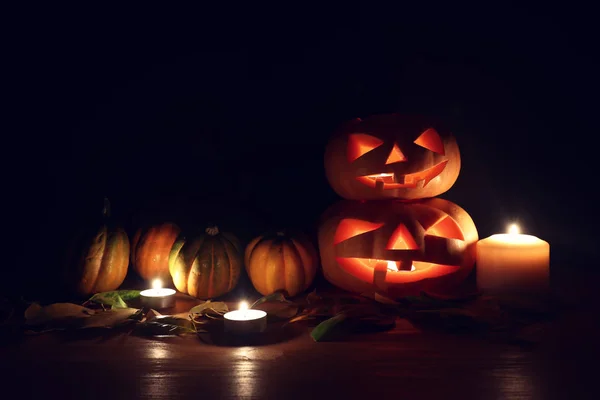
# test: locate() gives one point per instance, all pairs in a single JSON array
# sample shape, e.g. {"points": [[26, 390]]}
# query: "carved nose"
{"points": [[395, 155]]}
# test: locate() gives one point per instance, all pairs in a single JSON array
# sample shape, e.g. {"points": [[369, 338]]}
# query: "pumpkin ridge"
{"points": [[211, 275], [228, 264], [92, 279], [107, 262], [297, 271], [298, 249], [283, 264], [173, 260], [272, 283], [195, 263], [134, 242], [140, 251]]}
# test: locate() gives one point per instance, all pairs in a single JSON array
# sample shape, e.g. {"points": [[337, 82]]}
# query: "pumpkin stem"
{"points": [[212, 230], [106, 210]]}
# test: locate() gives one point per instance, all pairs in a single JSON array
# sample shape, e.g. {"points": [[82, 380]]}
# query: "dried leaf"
{"points": [[279, 309], [277, 296], [151, 314], [162, 326], [36, 315], [384, 300], [110, 318], [115, 298], [302, 317], [209, 309], [313, 298], [326, 329]]}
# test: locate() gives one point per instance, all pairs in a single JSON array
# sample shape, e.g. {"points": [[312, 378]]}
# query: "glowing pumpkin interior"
{"points": [[360, 144], [402, 246]]}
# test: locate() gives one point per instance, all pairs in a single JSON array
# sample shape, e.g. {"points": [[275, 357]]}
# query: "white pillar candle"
{"points": [[513, 263], [244, 321]]}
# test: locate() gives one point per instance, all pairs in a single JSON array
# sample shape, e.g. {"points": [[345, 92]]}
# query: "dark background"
{"points": [[210, 115]]}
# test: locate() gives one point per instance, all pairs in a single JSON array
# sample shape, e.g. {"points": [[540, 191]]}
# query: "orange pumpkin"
{"points": [[281, 261], [207, 265], [395, 249], [392, 157], [150, 251], [98, 258]]}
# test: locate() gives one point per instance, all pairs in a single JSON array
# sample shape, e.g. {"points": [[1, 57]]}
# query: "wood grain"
{"points": [[402, 363]]}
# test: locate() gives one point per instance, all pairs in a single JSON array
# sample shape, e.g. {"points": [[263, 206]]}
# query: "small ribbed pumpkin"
{"points": [[281, 261], [98, 258], [150, 250], [207, 265]]}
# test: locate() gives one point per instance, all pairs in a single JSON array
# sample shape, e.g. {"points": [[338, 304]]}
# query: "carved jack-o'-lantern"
{"points": [[392, 156], [396, 249]]}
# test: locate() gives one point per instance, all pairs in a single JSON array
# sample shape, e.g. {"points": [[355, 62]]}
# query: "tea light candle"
{"points": [[245, 321], [513, 263], [158, 297]]}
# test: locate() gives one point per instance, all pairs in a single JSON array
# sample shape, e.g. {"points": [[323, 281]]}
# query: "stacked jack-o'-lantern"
{"points": [[391, 237]]}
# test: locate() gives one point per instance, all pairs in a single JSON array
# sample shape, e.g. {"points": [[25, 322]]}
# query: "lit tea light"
{"points": [[158, 297], [513, 262], [245, 320]]}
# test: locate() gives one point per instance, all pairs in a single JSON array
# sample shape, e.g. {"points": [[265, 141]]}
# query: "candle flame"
{"points": [[243, 305], [513, 229], [156, 284], [392, 266]]}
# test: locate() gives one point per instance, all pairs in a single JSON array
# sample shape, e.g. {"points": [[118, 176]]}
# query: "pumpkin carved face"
{"points": [[397, 249], [392, 156]]}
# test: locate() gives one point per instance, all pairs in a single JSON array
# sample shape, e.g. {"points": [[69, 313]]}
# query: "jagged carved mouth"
{"points": [[393, 271], [390, 180]]}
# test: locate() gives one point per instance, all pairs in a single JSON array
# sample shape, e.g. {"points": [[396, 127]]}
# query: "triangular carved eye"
{"points": [[401, 239], [395, 155], [349, 228], [430, 140], [360, 144], [446, 228]]}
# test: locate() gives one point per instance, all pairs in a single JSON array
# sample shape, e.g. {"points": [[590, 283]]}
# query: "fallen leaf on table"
{"points": [[115, 298], [110, 318], [57, 312], [354, 318], [309, 314], [165, 325], [313, 298], [384, 300], [151, 314], [279, 309], [325, 329], [273, 297], [212, 309]]}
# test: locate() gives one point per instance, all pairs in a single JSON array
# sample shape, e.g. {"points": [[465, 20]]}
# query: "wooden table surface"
{"points": [[402, 363]]}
